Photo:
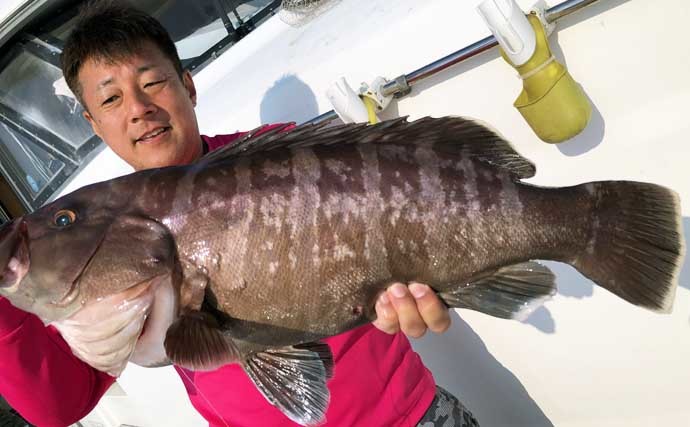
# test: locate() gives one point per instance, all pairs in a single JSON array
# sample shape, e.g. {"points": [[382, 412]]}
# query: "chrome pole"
{"points": [[557, 12], [401, 85], [325, 117]]}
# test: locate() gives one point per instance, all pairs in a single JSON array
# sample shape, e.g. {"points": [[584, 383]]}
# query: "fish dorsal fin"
{"points": [[257, 140], [448, 133], [511, 292], [483, 142], [195, 341], [293, 379]]}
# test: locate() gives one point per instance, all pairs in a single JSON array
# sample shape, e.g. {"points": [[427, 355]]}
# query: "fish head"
{"points": [[81, 248]]}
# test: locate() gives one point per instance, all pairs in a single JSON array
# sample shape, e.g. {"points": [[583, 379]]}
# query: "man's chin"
{"points": [[150, 157]]}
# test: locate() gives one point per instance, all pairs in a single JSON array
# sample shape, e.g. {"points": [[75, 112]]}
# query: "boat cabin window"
{"points": [[201, 30], [44, 139]]}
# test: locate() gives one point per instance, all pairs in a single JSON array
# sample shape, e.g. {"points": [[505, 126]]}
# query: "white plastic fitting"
{"points": [[511, 28], [375, 92], [346, 102]]}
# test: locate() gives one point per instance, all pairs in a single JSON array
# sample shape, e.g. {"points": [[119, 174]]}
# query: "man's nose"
{"points": [[140, 106]]}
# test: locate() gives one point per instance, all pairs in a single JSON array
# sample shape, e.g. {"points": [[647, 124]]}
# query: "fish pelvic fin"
{"points": [[195, 341], [457, 134], [293, 379], [510, 292], [636, 247]]}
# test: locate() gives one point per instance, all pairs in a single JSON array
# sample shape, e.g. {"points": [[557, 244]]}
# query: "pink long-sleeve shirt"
{"points": [[379, 380]]}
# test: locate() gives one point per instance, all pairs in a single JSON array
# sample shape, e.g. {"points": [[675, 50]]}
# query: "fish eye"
{"points": [[64, 217]]}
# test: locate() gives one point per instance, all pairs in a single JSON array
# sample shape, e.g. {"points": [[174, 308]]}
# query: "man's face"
{"points": [[141, 109]]}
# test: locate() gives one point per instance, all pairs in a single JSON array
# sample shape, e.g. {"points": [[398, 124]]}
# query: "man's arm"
{"points": [[39, 375]]}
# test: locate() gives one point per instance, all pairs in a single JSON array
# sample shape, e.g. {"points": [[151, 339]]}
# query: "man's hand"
{"points": [[412, 309]]}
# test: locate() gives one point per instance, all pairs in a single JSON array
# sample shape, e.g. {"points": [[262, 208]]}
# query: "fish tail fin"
{"points": [[510, 292], [635, 246]]}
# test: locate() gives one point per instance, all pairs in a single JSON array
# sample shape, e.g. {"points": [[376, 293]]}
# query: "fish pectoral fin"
{"points": [[511, 292], [293, 379], [194, 285], [195, 341]]}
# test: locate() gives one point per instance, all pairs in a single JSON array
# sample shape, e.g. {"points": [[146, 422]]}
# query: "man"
{"points": [[141, 103]]}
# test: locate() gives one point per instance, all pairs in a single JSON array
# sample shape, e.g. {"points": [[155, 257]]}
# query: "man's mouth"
{"points": [[150, 136]]}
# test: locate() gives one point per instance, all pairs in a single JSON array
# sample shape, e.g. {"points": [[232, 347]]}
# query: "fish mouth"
{"points": [[152, 286], [149, 350], [14, 254]]}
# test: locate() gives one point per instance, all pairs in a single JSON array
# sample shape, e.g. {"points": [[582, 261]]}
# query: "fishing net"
{"points": [[299, 12]]}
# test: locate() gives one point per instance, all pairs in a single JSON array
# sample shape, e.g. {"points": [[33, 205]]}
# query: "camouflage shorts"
{"points": [[447, 411]]}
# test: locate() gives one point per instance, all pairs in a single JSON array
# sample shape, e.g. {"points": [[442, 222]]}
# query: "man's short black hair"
{"points": [[111, 31]]}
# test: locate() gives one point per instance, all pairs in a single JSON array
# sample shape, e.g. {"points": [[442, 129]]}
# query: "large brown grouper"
{"points": [[259, 250]]}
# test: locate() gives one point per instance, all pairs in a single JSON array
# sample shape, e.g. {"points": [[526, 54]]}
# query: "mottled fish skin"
{"points": [[298, 242]]}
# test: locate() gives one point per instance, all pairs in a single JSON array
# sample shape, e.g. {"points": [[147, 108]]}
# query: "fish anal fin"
{"points": [[195, 341], [293, 379], [510, 292]]}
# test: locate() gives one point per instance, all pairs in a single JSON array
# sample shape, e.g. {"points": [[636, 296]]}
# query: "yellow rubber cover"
{"points": [[370, 104], [552, 103]]}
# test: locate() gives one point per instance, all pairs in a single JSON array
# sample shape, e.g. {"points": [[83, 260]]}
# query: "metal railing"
{"points": [[401, 85]]}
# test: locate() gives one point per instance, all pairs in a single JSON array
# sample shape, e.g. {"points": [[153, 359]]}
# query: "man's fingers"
{"points": [[411, 309], [432, 310], [386, 317], [411, 322]]}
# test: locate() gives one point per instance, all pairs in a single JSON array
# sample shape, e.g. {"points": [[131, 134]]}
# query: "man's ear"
{"points": [[93, 123], [189, 84]]}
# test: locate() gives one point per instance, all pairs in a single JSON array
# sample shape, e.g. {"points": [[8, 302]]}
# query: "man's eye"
{"points": [[109, 100], [157, 82]]}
